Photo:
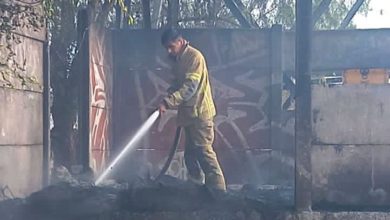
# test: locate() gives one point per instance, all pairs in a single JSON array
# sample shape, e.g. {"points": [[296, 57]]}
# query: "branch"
{"points": [[193, 19], [146, 14], [106, 8], [173, 12], [246, 13], [228, 21], [29, 3], [351, 13], [322, 7], [231, 4]]}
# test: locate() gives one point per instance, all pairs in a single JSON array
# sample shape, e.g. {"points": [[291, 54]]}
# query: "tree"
{"points": [[215, 13]]}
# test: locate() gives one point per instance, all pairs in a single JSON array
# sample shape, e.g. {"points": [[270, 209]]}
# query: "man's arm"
{"points": [[190, 85], [173, 87]]}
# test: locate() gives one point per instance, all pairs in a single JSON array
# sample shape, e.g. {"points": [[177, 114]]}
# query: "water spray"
{"points": [[138, 135]]}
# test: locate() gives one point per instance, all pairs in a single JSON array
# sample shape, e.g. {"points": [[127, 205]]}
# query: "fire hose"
{"points": [[172, 152]]}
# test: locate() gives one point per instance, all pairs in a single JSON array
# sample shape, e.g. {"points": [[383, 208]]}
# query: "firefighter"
{"points": [[191, 94]]}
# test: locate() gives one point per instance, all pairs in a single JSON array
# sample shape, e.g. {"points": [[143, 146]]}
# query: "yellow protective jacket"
{"points": [[192, 95]]}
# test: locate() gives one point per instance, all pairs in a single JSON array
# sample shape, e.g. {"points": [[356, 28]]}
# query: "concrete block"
{"points": [[30, 58], [21, 117], [21, 169], [335, 50], [351, 114], [350, 175]]}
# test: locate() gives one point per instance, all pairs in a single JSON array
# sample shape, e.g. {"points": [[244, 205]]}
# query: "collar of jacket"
{"points": [[186, 44]]}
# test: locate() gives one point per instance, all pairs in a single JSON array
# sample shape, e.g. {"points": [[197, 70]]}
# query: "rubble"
{"points": [[168, 198]]}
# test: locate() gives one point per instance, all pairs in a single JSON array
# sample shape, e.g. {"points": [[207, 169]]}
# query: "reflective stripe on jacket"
{"points": [[193, 96]]}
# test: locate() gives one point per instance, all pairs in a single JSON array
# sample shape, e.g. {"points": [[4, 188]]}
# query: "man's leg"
{"points": [[195, 174], [202, 134]]}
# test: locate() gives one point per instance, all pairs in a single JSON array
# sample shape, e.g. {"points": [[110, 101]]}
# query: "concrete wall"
{"points": [[351, 145], [240, 66], [21, 125], [350, 141], [349, 151], [342, 49], [358, 114]]}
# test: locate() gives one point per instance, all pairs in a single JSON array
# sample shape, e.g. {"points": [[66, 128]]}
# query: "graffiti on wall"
{"points": [[241, 85], [100, 74], [233, 105]]}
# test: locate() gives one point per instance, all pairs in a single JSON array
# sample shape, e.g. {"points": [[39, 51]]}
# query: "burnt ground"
{"points": [[71, 198], [168, 198]]}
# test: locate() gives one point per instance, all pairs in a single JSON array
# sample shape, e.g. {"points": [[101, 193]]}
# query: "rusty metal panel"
{"points": [[367, 76], [350, 175], [21, 169], [101, 75], [240, 78], [21, 117], [338, 50], [351, 114]]}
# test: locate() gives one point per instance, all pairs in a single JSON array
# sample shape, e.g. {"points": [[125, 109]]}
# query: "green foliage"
{"points": [[125, 10], [206, 13], [14, 18], [336, 13], [61, 19], [214, 13]]}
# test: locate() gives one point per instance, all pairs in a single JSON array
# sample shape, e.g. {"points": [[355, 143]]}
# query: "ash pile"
{"points": [[168, 198]]}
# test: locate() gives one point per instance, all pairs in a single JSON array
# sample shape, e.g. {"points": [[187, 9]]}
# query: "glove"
{"points": [[171, 90], [162, 107]]}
